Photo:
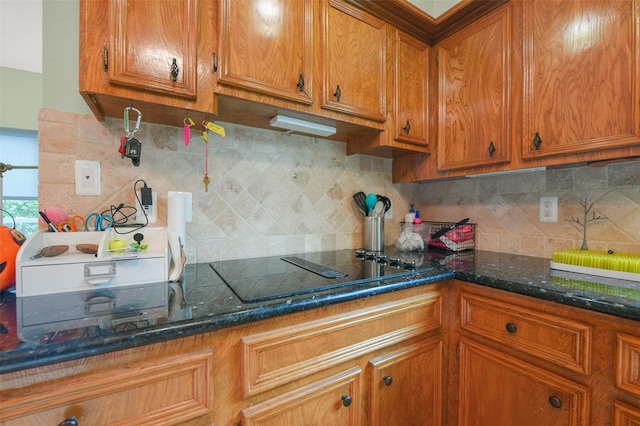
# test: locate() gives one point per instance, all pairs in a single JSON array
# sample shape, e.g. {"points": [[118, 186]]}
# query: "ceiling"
{"points": [[21, 35], [434, 8]]}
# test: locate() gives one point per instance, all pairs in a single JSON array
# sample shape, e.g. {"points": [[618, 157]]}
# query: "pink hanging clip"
{"points": [[187, 130]]}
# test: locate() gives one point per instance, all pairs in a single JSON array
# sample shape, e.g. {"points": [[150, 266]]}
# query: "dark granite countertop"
{"points": [[203, 303]]}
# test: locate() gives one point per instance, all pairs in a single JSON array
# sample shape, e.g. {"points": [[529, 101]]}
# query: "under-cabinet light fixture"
{"points": [[508, 172], [297, 125]]}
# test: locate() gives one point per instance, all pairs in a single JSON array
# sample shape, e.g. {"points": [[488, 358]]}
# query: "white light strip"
{"points": [[296, 125], [509, 172]]}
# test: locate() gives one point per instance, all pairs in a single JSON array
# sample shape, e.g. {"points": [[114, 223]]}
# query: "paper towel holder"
{"points": [[179, 212]]}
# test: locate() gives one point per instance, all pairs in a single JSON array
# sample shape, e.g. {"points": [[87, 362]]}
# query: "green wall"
{"points": [[21, 98], [60, 47]]}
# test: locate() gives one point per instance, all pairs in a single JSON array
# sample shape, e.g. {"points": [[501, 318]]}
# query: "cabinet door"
{"points": [[406, 386], [474, 119], [267, 46], [332, 401], [411, 73], [582, 77], [354, 61], [625, 414], [496, 389], [153, 45]]}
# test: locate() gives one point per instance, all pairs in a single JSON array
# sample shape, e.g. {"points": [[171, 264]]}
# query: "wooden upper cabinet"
{"points": [[582, 76], [411, 82], [153, 45], [353, 61], [474, 72], [267, 46], [127, 53]]}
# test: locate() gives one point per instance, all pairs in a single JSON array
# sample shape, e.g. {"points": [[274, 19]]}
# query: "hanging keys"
{"points": [[131, 147]]}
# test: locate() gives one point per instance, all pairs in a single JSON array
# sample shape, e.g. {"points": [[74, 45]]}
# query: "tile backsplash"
{"points": [[272, 193], [506, 208]]}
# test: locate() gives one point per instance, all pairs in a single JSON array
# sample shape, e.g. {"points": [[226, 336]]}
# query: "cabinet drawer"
{"points": [[168, 392], [331, 401], [558, 340], [280, 356], [628, 363]]}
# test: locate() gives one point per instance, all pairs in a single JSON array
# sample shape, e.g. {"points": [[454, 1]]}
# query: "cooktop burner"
{"points": [[274, 277]]}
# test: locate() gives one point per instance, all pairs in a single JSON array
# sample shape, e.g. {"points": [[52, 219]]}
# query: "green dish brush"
{"points": [[598, 262]]}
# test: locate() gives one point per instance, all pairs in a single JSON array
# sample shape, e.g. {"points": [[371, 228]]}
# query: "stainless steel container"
{"points": [[374, 233]]}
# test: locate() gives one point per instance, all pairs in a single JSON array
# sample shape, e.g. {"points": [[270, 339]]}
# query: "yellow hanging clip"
{"points": [[215, 128]]}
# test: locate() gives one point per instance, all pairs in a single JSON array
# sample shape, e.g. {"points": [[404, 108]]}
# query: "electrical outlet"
{"points": [[151, 210], [548, 209], [87, 177]]}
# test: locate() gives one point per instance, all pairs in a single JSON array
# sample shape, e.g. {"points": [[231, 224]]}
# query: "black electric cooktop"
{"points": [[274, 277]]}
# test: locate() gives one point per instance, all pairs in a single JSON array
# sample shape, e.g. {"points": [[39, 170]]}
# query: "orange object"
{"points": [[10, 241]]}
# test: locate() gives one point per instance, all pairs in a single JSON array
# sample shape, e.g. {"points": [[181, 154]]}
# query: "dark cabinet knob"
{"points": [[174, 70], [492, 149], [338, 93], [511, 327], [346, 400], [388, 380], [300, 84], [537, 141], [407, 127], [555, 402], [69, 422]]}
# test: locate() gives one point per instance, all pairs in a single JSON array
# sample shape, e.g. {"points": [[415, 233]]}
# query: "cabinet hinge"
{"points": [[437, 59], [105, 59]]}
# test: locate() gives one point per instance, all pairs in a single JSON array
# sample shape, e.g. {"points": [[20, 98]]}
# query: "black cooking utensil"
{"points": [[443, 231], [361, 201], [386, 201]]}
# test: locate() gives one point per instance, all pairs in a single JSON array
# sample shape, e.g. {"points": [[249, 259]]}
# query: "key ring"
{"points": [[126, 121]]}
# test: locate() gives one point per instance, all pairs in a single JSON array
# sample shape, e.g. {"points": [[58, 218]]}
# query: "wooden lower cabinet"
{"points": [[171, 391], [396, 346], [451, 353], [331, 401], [496, 389], [405, 386]]}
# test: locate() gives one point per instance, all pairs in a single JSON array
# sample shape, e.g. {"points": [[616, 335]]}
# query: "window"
{"points": [[19, 186]]}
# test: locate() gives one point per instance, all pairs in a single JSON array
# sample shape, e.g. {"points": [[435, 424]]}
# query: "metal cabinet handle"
{"points": [[537, 141], [69, 422], [388, 380], [407, 127], [174, 70], [300, 84], [555, 401], [346, 400], [215, 62], [511, 327], [492, 149], [105, 59], [338, 93]]}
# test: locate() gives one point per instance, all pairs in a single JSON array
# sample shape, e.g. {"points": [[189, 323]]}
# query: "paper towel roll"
{"points": [[179, 212]]}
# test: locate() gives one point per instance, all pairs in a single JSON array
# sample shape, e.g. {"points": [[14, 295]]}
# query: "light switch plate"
{"points": [[88, 177], [548, 209]]}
